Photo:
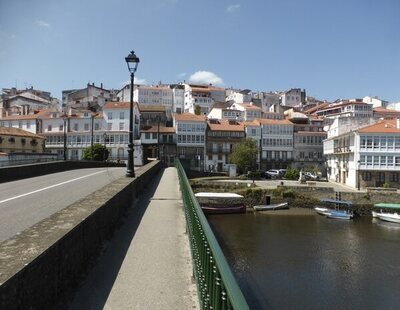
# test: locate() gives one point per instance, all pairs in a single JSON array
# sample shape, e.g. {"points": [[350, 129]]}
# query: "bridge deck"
{"points": [[147, 264]]}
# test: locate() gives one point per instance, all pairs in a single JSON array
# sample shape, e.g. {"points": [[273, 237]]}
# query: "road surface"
{"points": [[24, 203]]}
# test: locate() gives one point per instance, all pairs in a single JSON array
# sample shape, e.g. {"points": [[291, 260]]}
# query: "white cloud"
{"points": [[206, 77], [42, 23], [232, 8], [136, 81]]}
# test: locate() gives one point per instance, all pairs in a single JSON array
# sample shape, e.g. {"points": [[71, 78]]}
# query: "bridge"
{"points": [[140, 243]]}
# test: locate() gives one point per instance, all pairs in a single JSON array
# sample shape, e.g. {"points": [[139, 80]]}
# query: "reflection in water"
{"points": [[311, 262]]}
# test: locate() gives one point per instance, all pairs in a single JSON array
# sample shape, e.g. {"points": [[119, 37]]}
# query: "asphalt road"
{"points": [[25, 202]]}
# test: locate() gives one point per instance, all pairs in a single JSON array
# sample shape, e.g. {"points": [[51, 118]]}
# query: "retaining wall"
{"points": [[42, 266]]}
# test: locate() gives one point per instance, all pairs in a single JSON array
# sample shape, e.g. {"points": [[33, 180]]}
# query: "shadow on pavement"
{"points": [[97, 285]]}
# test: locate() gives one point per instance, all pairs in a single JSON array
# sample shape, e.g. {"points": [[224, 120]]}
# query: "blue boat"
{"points": [[335, 213]]}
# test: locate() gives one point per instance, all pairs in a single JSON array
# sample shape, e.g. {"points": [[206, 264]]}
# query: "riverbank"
{"points": [[305, 197]]}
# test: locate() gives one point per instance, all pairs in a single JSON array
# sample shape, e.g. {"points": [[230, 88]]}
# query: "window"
{"points": [[49, 128], [28, 124], [369, 160], [86, 127], [109, 126], [121, 126], [19, 124], [61, 128], [366, 176], [154, 135], [397, 161], [121, 115], [76, 127], [390, 160], [109, 115], [394, 177], [376, 160], [147, 135], [210, 157], [96, 126], [383, 160]]}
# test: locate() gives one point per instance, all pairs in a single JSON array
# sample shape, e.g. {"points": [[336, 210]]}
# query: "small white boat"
{"points": [[375, 214], [322, 210], [278, 206], [389, 217], [340, 215]]}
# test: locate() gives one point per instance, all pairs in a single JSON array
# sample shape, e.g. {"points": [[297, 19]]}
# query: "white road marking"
{"points": [[48, 187]]}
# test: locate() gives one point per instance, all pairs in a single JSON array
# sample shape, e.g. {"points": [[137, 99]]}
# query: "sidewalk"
{"points": [[147, 264]]}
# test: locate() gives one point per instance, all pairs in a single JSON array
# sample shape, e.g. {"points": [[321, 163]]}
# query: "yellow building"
{"points": [[17, 140]]}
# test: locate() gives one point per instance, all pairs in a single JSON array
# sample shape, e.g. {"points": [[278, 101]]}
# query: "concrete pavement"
{"points": [[147, 264]]}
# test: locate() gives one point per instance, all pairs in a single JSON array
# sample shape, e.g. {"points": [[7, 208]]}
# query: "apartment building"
{"points": [[276, 143], [249, 110], [203, 96], [365, 157], [293, 98], [347, 108], [91, 97], [222, 135], [238, 96], [191, 133]]}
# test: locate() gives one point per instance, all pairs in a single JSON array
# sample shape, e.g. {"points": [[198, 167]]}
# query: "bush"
{"points": [[254, 175], [98, 153], [386, 185], [292, 174]]}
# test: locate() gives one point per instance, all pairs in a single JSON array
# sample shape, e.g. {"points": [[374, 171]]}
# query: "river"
{"points": [[296, 259]]}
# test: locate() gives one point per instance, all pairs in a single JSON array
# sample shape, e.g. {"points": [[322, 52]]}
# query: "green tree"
{"points": [[292, 174], [99, 153], [197, 110], [244, 155]]}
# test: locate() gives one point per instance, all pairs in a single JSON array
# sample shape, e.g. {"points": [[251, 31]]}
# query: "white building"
{"points": [[169, 96], [376, 102], [249, 110], [293, 97], [226, 113], [353, 108], [191, 133], [203, 96], [276, 143], [91, 97], [365, 157], [238, 96]]}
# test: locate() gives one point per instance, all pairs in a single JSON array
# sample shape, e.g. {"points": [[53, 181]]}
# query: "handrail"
{"points": [[216, 285]]}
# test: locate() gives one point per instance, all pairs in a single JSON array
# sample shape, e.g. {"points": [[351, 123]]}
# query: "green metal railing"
{"points": [[216, 285]]}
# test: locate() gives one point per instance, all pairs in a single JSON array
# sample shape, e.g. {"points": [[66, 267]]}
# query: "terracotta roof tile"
{"points": [[267, 121], [189, 117], [225, 125], [118, 105], [151, 108], [385, 126], [18, 132], [163, 129]]}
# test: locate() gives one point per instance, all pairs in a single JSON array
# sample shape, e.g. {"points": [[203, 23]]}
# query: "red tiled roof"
{"points": [[225, 125], [10, 131], [249, 106], [163, 129], [267, 121], [151, 108], [189, 117], [118, 105], [384, 126]]}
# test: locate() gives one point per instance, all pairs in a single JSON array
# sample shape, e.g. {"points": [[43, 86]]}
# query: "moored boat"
{"points": [[221, 203], [340, 215], [386, 216], [389, 217], [277, 206], [323, 210]]}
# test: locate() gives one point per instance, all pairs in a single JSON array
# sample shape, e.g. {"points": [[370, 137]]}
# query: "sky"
{"points": [[333, 49]]}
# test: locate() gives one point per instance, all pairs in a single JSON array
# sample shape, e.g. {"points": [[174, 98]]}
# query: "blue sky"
{"points": [[334, 49]]}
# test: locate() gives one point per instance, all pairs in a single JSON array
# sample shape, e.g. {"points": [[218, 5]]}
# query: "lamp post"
{"points": [[105, 147], [132, 61], [65, 137], [158, 137], [358, 174]]}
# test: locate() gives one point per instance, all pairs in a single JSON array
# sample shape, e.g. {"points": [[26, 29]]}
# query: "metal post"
{"points": [[65, 138], [358, 175], [130, 172], [105, 147], [91, 138], [158, 137]]}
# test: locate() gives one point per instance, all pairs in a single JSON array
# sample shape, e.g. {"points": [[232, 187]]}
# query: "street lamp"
{"points": [[105, 147], [358, 174], [132, 61], [65, 136]]}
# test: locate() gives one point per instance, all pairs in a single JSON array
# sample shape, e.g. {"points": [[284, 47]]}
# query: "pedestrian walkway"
{"points": [[147, 264]]}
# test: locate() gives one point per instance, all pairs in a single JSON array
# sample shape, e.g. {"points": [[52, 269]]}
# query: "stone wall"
{"points": [[41, 267]]}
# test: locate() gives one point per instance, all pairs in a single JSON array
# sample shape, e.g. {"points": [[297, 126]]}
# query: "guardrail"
{"points": [[216, 285]]}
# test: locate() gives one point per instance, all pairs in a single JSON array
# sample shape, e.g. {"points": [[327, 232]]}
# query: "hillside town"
{"points": [[354, 141]]}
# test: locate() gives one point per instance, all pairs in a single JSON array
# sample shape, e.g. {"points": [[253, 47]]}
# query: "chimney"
{"points": [[398, 123], [101, 85]]}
